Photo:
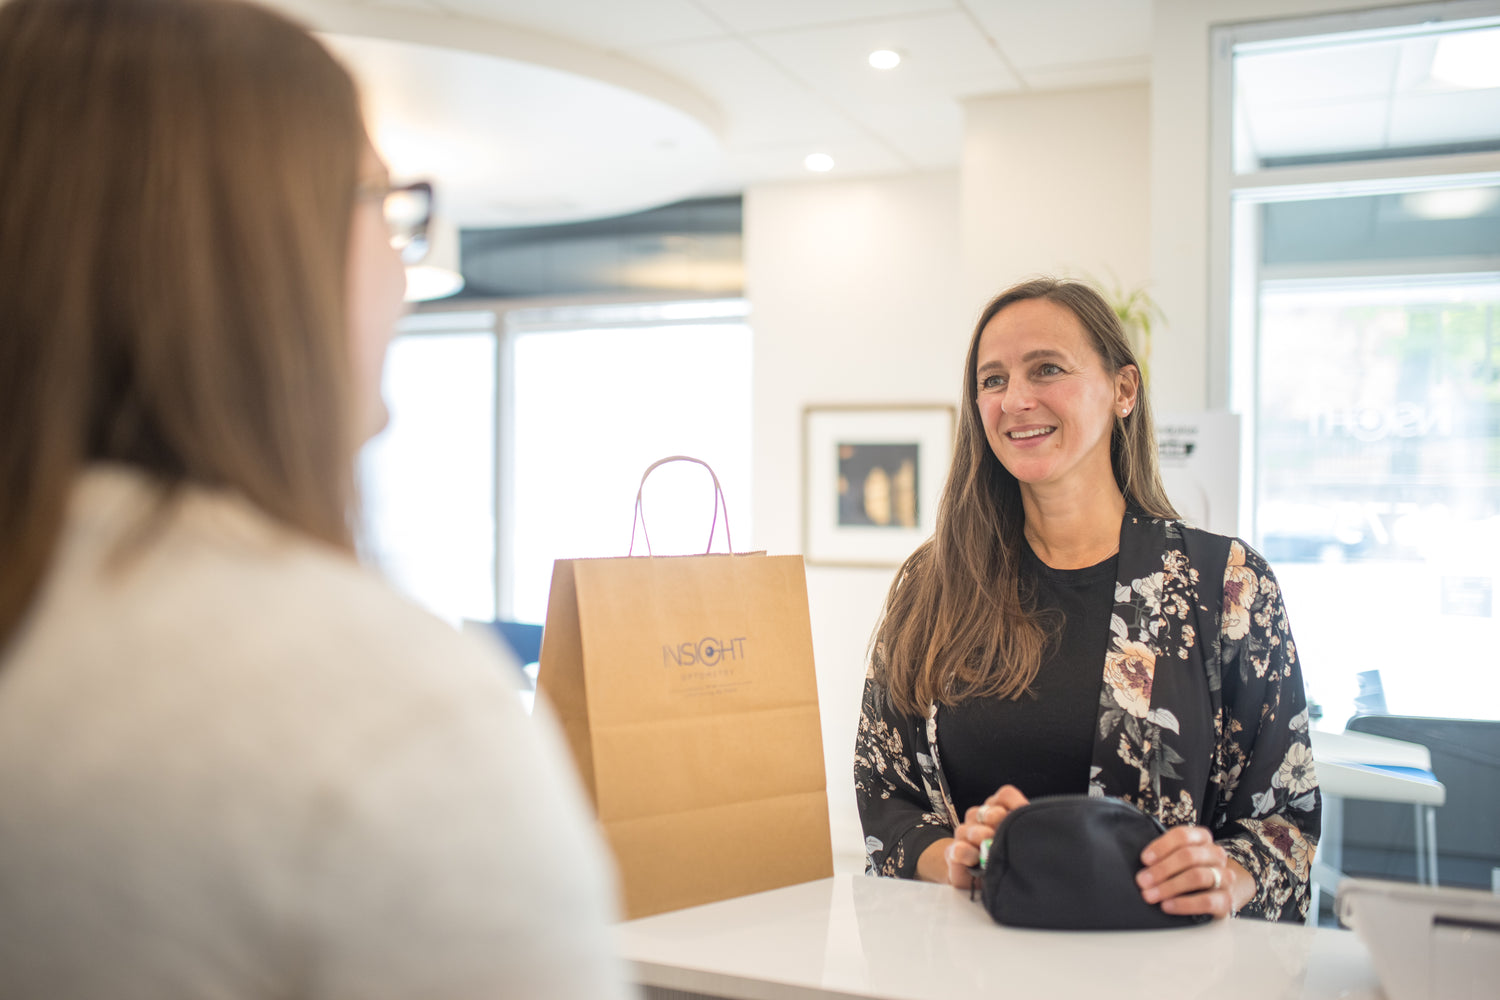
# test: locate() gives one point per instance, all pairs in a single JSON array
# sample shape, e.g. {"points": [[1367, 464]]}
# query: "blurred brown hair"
{"points": [[958, 622], [176, 187]]}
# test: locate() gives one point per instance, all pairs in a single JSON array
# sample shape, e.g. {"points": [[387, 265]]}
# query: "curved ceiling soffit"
{"points": [[506, 41]]}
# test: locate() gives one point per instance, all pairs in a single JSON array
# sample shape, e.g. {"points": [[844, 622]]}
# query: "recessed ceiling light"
{"points": [[818, 163], [1468, 59], [885, 59], [1451, 203]]}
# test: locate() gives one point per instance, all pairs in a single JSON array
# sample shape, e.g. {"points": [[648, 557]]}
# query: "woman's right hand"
{"points": [[949, 860]]}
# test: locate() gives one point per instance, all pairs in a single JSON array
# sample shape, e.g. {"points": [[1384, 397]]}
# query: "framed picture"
{"points": [[872, 476]]}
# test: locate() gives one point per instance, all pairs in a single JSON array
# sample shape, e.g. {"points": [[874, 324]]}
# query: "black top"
{"points": [[1042, 743]]}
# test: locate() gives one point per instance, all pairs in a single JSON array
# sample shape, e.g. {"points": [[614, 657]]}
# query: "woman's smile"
{"points": [[1029, 435]]}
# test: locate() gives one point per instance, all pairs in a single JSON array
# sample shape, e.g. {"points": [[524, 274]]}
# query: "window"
{"points": [[597, 396], [428, 480], [518, 439], [1358, 206]]}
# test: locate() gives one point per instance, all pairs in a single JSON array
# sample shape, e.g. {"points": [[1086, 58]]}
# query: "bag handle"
{"points": [[719, 499]]}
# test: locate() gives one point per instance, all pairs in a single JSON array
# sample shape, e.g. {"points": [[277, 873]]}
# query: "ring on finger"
{"points": [[984, 812], [1218, 878]]}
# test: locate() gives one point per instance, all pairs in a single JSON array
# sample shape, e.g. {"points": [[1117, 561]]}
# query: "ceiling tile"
{"points": [[854, 157], [607, 25], [775, 15], [1313, 129], [1316, 76], [1066, 32], [761, 103], [930, 133], [913, 108], [1095, 74], [944, 57], [1437, 118], [1414, 70]]}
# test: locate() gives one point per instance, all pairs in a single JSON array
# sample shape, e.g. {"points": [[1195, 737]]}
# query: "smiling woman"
{"points": [[1063, 632]]}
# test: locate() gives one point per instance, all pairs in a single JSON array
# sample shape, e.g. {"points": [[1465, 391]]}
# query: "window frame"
{"points": [[1233, 375]]}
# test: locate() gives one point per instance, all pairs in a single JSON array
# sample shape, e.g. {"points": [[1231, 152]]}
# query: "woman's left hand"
{"points": [[1186, 872]]}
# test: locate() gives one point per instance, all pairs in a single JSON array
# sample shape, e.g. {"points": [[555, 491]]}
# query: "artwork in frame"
{"points": [[872, 478]]}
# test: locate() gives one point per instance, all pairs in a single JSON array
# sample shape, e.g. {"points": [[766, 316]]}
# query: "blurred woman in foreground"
{"points": [[233, 763]]}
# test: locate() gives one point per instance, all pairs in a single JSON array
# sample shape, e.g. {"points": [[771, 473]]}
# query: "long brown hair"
{"points": [[958, 622], [177, 180]]}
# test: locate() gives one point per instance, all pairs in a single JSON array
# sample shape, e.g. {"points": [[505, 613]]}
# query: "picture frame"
{"points": [[872, 477]]}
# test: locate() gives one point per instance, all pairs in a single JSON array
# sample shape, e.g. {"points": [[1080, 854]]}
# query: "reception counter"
{"points": [[853, 936]]}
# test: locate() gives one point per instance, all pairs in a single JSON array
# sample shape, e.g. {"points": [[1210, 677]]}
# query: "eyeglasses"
{"points": [[408, 214]]}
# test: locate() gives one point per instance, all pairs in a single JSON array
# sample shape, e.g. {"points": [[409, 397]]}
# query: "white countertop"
{"points": [[1353, 765], [1362, 748], [854, 936], [1359, 781]]}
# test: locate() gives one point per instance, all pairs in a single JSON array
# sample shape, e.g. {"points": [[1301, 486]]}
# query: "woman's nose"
{"points": [[1018, 399]]}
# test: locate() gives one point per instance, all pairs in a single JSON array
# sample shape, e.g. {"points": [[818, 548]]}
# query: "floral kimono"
{"points": [[1202, 719]]}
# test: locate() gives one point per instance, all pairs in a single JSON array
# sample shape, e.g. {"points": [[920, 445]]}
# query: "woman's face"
{"points": [[1046, 399], [376, 293]]}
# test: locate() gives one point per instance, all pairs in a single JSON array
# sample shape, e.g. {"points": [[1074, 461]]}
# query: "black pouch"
{"points": [[1068, 862]]}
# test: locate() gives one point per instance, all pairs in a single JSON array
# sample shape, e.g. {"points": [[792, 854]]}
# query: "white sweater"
{"points": [[234, 764]]}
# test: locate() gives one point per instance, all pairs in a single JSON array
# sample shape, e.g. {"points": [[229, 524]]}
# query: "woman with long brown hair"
{"points": [[1064, 632], [233, 762]]}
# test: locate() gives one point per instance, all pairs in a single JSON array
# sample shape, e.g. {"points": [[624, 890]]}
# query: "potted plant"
{"points": [[1138, 312]]}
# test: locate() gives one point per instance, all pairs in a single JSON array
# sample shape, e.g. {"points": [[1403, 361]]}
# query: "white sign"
{"points": [[1200, 466]]}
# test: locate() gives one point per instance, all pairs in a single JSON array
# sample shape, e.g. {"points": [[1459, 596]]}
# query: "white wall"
{"points": [[1055, 183], [854, 293]]}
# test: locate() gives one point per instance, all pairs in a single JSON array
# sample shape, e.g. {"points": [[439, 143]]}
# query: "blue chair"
{"points": [[523, 639], [1379, 836]]}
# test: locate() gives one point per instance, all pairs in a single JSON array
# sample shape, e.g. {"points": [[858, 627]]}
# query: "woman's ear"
{"points": [[1128, 388]]}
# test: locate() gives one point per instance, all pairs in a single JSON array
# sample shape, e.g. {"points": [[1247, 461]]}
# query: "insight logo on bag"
{"points": [[708, 652], [708, 666]]}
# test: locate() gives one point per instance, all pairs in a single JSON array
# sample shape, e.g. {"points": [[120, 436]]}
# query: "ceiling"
{"points": [[537, 111], [1340, 95], [528, 112]]}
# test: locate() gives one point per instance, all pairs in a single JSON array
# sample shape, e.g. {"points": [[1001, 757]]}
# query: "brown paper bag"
{"points": [[685, 685]]}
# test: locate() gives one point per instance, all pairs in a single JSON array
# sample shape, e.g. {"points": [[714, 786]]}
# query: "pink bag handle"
{"points": [[719, 499]]}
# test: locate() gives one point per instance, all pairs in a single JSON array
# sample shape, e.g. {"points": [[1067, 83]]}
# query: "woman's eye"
{"points": [[992, 382], [1049, 369]]}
